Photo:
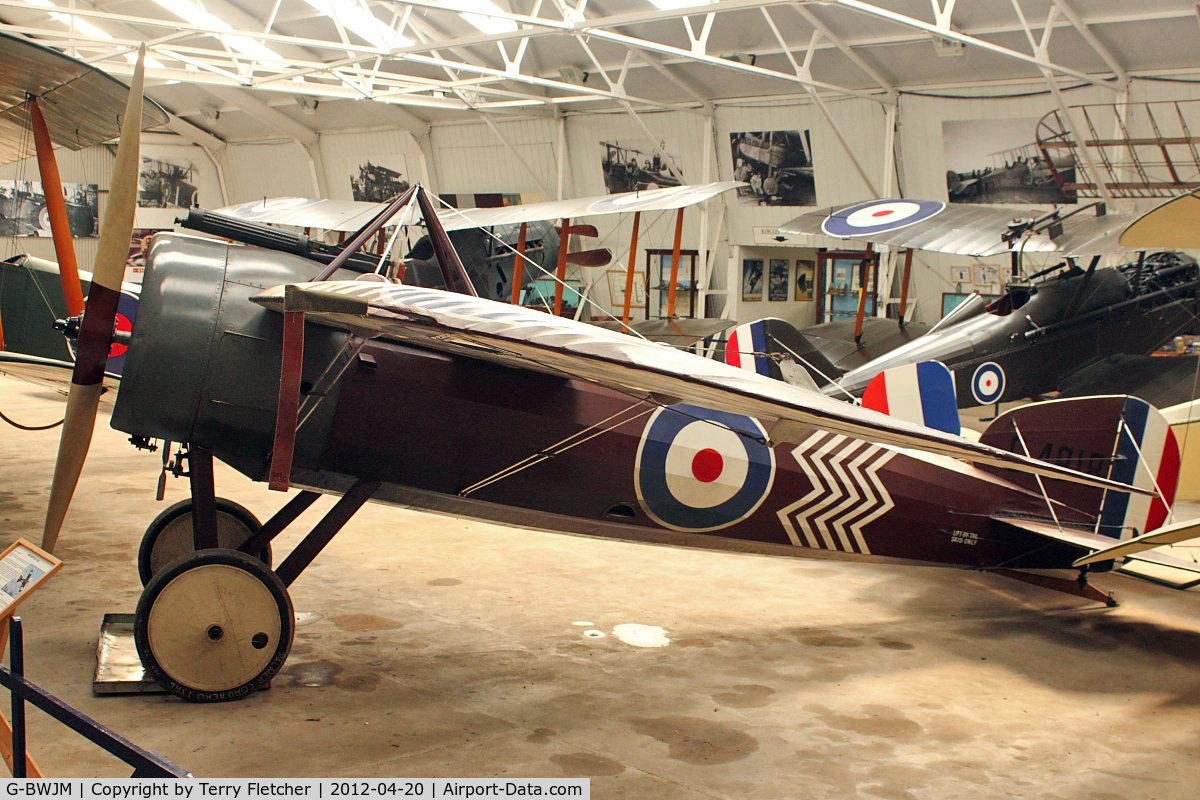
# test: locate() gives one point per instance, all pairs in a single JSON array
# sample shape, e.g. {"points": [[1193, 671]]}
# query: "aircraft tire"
{"points": [[214, 625], [169, 536]]}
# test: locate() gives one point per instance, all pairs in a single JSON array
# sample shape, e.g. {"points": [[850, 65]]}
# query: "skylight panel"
{"points": [[671, 5], [363, 23], [80, 24], [193, 14], [482, 21]]}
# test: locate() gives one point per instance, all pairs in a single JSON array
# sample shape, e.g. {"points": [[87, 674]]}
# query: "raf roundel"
{"points": [[702, 470], [987, 384], [879, 216]]}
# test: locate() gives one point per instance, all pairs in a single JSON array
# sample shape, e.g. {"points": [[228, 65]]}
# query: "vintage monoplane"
{"points": [[302, 375]]}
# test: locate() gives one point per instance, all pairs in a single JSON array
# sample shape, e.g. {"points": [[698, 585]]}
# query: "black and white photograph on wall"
{"points": [[777, 165], [778, 287], [631, 165], [378, 179], [23, 208], [805, 269], [752, 279], [167, 183], [998, 161]]}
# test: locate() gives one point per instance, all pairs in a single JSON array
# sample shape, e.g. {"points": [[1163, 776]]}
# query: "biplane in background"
{"points": [[1067, 327], [302, 374], [509, 252], [51, 101]]}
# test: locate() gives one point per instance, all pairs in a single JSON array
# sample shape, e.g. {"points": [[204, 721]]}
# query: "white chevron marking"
{"points": [[847, 493]]}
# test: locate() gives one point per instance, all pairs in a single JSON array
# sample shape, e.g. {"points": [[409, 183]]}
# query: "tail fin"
{"points": [[1118, 437], [772, 347], [922, 393]]}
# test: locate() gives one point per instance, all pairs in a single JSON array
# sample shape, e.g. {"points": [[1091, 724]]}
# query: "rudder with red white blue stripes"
{"points": [[922, 393]]}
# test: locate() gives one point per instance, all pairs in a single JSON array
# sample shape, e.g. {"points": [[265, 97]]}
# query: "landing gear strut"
{"points": [[214, 622]]}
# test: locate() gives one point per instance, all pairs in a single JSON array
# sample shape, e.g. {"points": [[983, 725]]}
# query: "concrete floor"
{"points": [[449, 648]]}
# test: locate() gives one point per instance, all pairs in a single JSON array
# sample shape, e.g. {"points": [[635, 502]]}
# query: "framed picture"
{"points": [[960, 274], [986, 275], [752, 279], [805, 269], [778, 289], [616, 290]]}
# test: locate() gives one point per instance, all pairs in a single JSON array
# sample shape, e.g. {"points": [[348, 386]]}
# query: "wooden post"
{"points": [[863, 273], [904, 284], [631, 263], [519, 266], [288, 408], [56, 208], [561, 273], [674, 265]]}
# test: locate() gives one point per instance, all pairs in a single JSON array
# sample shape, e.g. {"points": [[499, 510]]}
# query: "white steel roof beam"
{"points": [[841, 45], [1105, 54]]}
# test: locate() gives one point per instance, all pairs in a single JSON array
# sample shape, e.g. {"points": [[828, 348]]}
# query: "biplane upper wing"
{"points": [[350, 215], [965, 229], [81, 104], [526, 339]]}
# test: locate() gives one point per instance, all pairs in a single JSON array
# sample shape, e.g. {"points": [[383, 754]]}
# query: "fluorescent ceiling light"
{"points": [[192, 13], [355, 18], [482, 21], [671, 5]]}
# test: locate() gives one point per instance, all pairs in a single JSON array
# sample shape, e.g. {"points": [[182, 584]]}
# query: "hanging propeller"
{"points": [[96, 330]]}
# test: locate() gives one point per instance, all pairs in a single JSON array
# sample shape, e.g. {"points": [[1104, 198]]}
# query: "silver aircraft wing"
{"points": [[968, 229], [350, 215]]}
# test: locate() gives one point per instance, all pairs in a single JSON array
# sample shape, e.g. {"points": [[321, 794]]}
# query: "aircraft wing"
{"points": [[1136, 547], [1175, 225], [46, 372], [82, 105], [524, 339], [962, 228], [350, 215]]}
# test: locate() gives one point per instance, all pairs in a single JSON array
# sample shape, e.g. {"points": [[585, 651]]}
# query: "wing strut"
{"points": [[630, 265], [864, 271], [56, 207], [675, 266], [519, 266]]}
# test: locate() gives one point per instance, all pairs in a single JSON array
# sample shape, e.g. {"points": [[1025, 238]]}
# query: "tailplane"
{"points": [[776, 349], [1118, 437]]}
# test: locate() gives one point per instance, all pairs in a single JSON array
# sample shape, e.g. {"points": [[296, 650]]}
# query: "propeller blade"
{"points": [[95, 333], [591, 258], [579, 230]]}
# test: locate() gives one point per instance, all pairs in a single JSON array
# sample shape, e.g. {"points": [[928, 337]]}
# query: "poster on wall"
{"points": [[778, 288], [986, 275], [616, 290], [631, 165], [998, 161], [777, 165], [752, 279], [167, 181], [805, 269], [139, 242], [377, 179], [23, 208]]}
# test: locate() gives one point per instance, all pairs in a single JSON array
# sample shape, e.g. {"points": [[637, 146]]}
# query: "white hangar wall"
{"points": [[469, 157]]}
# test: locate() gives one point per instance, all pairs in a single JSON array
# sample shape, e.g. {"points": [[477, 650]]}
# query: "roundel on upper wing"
{"points": [[987, 384], [701, 470], [879, 216]]}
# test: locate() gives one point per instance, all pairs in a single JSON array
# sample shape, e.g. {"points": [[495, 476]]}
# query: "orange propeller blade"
{"points": [[95, 332]]}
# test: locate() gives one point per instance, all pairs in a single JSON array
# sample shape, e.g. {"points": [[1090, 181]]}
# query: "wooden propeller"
{"points": [[96, 330]]}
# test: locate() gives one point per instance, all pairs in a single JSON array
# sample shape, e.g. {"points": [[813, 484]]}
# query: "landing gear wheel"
{"points": [[170, 535], [214, 625]]}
